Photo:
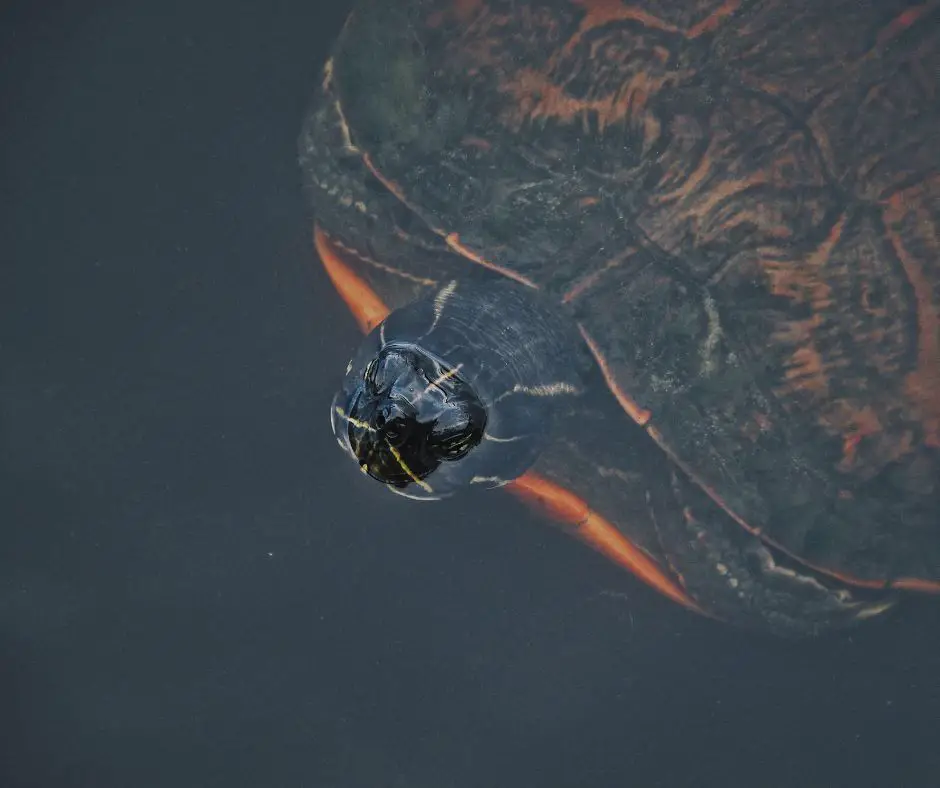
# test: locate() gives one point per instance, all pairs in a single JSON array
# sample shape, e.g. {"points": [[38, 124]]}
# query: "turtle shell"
{"points": [[739, 206]]}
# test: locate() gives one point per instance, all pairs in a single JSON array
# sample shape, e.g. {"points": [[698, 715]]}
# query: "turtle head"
{"points": [[454, 391], [405, 414]]}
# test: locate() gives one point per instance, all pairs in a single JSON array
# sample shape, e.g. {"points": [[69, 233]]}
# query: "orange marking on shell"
{"points": [[849, 450], [713, 21], [639, 414], [602, 12], [688, 184], [596, 532], [805, 284], [699, 193], [904, 20], [453, 242], [582, 285], [365, 305], [922, 386], [856, 424], [916, 584], [389, 184], [477, 142], [683, 466], [451, 239], [536, 96]]}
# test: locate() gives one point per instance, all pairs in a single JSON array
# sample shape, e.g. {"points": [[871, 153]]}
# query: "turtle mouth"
{"points": [[376, 457], [390, 450]]}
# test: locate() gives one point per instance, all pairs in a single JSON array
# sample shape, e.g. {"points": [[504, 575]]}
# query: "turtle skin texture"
{"points": [[738, 203]]}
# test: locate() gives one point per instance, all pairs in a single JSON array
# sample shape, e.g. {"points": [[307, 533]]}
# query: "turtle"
{"points": [[668, 271]]}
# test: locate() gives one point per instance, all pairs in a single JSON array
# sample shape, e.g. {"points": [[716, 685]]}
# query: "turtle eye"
{"points": [[455, 447], [454, 435], [376, 374], [369, 377]]}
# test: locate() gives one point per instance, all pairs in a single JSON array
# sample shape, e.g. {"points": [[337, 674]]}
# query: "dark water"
{"points": [[195, 590]]}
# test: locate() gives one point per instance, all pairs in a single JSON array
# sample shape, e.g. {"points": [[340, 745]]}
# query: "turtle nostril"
{"points": [[389, 420]]}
